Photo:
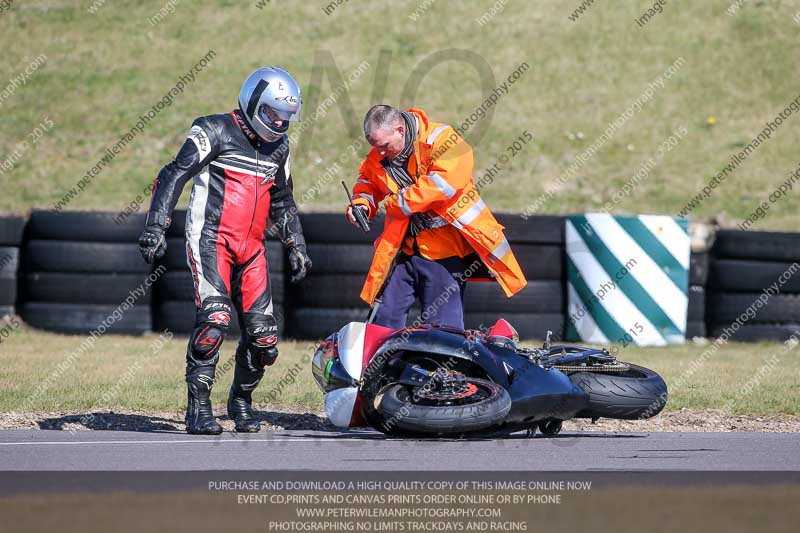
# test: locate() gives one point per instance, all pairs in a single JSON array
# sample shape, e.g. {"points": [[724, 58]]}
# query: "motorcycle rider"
{"points": [[241, 167]]}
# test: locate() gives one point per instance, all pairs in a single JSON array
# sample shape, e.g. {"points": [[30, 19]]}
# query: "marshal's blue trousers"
{"points": [[439, 285]]}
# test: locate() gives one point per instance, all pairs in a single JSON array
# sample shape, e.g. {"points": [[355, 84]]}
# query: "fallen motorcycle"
{"points": [[440, 381]]}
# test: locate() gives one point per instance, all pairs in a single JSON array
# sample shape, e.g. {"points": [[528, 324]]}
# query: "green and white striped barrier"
{"points": [[627, 279]]}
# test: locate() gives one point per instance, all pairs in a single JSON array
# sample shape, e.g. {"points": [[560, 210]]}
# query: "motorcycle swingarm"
{"points": [[570, 355]]}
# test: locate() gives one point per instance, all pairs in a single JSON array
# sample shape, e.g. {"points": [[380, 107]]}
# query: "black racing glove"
{"points": [[152, 243], [299, 262]]}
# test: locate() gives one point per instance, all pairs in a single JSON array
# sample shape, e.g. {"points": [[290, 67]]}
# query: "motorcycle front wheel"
{"points": [[481, 405]]}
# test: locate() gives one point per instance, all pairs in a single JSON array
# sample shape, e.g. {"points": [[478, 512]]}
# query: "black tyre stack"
{"points": [[11, 230], [538, 245], [744, 266], [698, 278], [70, 272], [83, 272], [175, 302], [329, 297]]}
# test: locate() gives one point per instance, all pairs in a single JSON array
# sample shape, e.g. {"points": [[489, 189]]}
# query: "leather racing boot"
{"points": [[246, 378], [199, 415]]}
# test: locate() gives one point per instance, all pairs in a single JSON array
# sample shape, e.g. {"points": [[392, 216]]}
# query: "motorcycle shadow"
{"points": [[294, 421]]}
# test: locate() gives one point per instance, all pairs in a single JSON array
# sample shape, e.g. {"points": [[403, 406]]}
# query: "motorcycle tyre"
{"points": [[636, 394], [443, 420]]}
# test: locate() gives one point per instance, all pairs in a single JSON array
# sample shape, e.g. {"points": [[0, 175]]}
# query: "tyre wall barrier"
{"points": [[82, 272], [328, 298], [754, 286], [11, 232], [698, 279], [342, 256], [71, 271]]}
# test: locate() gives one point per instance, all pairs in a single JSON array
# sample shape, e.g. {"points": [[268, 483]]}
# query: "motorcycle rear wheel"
{"points": [[400, 410], [638, 393]]}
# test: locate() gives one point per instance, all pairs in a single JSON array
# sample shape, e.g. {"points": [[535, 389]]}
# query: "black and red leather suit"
{"points": [[239, 182]]}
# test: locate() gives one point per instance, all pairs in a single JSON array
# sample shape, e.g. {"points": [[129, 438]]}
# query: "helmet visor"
{"points": [[273, 117], [288, 113]]}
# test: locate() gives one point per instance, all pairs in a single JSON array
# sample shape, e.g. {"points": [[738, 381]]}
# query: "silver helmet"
{"points": [[270, 95]]}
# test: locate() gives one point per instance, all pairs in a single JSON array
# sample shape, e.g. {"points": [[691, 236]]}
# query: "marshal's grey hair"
{"points": [[381, 116]]}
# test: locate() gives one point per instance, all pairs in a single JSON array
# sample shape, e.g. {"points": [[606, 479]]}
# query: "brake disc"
{"points": [[446, 385]]}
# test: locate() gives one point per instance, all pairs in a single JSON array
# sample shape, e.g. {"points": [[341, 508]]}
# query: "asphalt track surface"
{"points": [[42, 450]]}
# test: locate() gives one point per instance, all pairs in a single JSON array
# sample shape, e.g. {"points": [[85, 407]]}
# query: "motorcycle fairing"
{"points": [[538, 393], [438, 341], [353, 345], [356, 342], [340, 406]]}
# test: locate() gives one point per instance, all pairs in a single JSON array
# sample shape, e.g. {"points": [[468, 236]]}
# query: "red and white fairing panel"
{"points": [[357, 343]]}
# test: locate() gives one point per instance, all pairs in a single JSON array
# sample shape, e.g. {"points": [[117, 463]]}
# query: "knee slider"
{"points": [[213, 319], [261, 332], [206, 341]]}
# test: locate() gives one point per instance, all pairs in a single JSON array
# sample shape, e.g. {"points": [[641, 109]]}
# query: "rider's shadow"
{"points": [[104, 421]]}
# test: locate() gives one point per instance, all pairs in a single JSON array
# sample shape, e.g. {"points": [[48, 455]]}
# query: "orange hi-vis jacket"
{"points": [[442, 164]]}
